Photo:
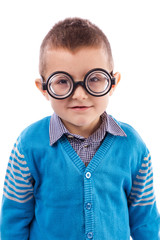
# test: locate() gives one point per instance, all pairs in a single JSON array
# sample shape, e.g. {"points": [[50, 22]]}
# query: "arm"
{"points": [[144, 217], [18, 203]]}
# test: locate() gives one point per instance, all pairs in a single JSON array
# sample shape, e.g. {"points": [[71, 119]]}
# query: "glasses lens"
{"points": [[98, 82], [60, 85]]}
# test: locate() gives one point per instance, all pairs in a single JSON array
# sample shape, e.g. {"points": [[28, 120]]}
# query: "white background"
{"points": [[133, 29]]}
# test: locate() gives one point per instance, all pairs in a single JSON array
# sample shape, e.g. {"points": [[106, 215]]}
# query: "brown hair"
{"points": [[71, 34]]}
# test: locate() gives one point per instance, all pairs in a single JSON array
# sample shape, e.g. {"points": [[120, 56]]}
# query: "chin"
{"points": [[81, 124]]}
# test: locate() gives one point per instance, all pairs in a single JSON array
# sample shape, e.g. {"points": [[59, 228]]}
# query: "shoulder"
{"points": [[132, 147], [133, 137], [37, 126], [129, 130], [36, 131]]}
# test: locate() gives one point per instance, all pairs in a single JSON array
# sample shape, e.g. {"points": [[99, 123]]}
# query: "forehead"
{"points": [[76, 63]]}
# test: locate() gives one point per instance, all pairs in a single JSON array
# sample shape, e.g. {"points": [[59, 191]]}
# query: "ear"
{"points": [[117, 76], [38, 84]]}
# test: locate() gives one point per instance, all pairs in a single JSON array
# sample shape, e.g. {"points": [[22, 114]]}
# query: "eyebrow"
{"points": [[43, 78]]}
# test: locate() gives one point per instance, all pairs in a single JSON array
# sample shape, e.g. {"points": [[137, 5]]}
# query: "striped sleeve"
{"points": [[144, 218], [18, 185], [142, 193]]}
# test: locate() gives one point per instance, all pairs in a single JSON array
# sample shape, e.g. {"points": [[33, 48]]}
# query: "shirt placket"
{"points": [[83, 152]]}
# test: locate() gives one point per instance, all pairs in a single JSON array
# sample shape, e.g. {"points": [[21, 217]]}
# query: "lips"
{"points": [[80, 108]]}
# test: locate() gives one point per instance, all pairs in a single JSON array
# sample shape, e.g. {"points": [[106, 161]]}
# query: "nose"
{"points": [[79, 93]]}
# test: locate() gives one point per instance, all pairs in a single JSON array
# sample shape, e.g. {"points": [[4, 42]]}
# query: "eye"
{"points": [[94, 79], [62, 81]]}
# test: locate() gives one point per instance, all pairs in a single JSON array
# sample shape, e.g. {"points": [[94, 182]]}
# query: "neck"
{"points": [[84, 131]]}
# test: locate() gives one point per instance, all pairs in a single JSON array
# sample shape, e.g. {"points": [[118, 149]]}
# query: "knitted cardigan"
{"points": [[49, 194]]}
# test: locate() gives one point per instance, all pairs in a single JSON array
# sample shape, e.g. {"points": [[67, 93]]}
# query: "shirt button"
{"points": [[70, 136], [88, 206], [90, 235], [86, 146], [88, 175]]}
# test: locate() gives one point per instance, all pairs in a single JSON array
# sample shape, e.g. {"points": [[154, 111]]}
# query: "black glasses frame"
{"points": [[75, 84]]}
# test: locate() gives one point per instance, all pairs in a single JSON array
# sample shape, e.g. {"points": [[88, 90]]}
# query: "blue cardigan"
{"points": [[49, 194]]}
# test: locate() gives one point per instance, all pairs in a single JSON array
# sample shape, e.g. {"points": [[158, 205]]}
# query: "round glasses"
{"points": [[61, 85]]}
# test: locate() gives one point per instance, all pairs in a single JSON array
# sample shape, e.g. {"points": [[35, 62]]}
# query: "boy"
{"points": [[79, 174]]}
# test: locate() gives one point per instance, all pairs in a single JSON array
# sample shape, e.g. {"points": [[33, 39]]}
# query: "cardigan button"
{"points": [[88, 175], [88, 206], [90, 235]]}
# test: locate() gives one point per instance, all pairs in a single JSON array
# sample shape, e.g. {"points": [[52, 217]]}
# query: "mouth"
{"points": [[80, 108]]}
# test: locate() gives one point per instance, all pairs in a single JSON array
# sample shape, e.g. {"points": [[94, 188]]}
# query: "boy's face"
{"points": [[81, 111]]}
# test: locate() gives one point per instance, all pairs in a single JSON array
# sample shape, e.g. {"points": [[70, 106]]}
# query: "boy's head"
{"points": [[73, 34], [77, 47]]}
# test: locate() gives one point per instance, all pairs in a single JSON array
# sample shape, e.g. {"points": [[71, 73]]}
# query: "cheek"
{"points": [[57, 105], [102, 102]]}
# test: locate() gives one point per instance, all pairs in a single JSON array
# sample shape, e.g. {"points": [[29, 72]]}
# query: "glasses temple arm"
{"points": [[44, 84], [113, 79]]}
